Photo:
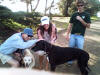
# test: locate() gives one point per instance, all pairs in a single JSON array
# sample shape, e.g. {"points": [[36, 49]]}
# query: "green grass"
{"points": [[94, 18], [61, 22], [13, 25]]}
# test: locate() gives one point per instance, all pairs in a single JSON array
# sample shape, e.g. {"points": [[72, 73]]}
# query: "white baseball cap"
{"points": [[45, 20]]}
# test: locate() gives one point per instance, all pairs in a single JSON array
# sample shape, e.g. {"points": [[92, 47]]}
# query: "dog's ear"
{"points": [[38, 46], [41, 45], [47, 45]]}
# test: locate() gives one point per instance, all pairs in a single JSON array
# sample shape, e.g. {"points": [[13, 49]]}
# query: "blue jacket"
{"points": [[15, 42]]}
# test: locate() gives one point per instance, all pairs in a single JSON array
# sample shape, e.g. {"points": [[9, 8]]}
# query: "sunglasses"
{"points": [[30, 36], [79, 5]]}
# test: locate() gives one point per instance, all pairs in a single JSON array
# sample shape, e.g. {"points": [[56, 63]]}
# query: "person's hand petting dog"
{"points": [[34, 44]]}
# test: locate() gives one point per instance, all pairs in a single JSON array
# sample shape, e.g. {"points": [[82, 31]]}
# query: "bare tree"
{"points": [[36, 5], [51, 7], [28, 2], [48, 8], [45, 7], [31, 5]]}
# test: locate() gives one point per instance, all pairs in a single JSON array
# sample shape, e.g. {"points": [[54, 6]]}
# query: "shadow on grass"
{"points": [[92, 46]]}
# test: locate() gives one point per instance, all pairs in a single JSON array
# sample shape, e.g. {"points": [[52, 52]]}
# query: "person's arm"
{"points": [[53, 34], [68, 30], [23, 45], [39, 34], [83, 22]]}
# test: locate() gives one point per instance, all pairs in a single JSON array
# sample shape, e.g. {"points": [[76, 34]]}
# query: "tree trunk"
{"points": [[31, 5], [36, 5], [67, 5], [45, 8], [50, 8], [27, 7]]}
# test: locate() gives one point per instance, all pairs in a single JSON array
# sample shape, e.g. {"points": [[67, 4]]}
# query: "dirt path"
{"points": [[92, 46]]}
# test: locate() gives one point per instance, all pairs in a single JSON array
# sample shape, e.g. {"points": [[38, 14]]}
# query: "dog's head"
{"points": [[27, 61], [41, 45]]}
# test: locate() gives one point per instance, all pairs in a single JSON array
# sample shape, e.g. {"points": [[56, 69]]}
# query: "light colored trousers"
{"points": [[76, 41]]}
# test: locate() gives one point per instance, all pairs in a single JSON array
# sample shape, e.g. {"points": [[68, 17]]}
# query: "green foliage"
{"points": [[72, 9], [6, 16], [13, 25], [27, 19], [4, 8], [64, 6], [5, 13], [19, 17], [94, 18], [57, 15], [9, 27], [13, 21], [67, 7], [93, 6]]}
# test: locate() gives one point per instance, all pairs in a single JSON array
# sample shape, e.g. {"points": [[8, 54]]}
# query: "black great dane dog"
{"points": [[59, 55]]}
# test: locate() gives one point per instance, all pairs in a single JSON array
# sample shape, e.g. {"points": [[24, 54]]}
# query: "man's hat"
{"points": [[28, 31]]}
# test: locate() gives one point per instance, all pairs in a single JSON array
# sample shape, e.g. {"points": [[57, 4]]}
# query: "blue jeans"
{"points": [[76, 41]]}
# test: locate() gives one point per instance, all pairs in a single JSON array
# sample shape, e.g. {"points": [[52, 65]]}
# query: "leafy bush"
{"points": [[94, 18], [27, 18], [13, 25], [5, 13], [11, 22]]}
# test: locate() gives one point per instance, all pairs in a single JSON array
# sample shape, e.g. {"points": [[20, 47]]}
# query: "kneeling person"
{"points": [[20, 40]]}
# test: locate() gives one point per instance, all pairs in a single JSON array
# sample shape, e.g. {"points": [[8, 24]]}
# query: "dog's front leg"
{"points": [[52, 67]]}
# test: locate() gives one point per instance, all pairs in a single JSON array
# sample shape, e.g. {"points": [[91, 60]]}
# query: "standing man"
{"points": [[20, 40], [78, 23]]}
